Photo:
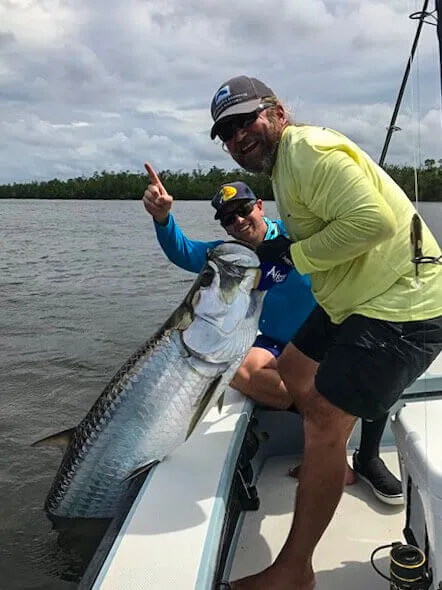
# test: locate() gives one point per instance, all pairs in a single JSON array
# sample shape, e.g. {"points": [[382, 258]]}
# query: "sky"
{"points": [[92, 85]]}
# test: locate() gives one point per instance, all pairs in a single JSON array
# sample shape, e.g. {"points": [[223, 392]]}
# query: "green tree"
{"points": [[200, 184]]}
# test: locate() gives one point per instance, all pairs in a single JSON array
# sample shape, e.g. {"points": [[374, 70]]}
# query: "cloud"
{"points": [[88, 86]]}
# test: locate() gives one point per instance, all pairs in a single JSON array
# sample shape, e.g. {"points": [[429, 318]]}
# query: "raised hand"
{"points": [[156, 199]]}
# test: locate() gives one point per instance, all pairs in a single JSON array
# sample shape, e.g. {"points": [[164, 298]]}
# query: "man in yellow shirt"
{"points": [[376, 328]]}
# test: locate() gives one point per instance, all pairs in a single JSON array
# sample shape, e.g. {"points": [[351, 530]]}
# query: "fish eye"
{"points": [[207, 276]]}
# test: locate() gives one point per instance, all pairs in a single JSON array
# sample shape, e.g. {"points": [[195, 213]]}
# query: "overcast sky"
{"points": [[91, 85]]}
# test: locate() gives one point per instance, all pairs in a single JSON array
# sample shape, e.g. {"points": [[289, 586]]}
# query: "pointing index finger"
{"points": [[153, 176]]}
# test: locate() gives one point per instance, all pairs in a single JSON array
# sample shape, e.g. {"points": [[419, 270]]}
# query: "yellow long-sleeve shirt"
{"points": [[351, 226]]}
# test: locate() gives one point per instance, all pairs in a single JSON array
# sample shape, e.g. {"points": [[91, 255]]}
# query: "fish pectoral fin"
{"points": [[202, 404], [59, 439], [220, 402], [139, 470]]}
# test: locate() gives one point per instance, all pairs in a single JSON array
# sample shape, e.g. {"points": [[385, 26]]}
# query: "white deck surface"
{"points": [[342, 560]]}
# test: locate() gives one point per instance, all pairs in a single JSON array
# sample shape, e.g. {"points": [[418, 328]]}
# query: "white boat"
{"points": [[220, 507]]}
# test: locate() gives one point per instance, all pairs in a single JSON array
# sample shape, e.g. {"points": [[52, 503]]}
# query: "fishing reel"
{"points": [[408, 567]]}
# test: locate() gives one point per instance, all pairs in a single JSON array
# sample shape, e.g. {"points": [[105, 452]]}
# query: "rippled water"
{"points": [[82, 285]]}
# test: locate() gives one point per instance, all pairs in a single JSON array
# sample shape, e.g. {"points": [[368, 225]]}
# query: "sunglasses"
{"points": [[228, 128], [242, 210]]}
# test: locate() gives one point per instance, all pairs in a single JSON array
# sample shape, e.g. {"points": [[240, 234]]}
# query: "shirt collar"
{"points": [[272, 229]]}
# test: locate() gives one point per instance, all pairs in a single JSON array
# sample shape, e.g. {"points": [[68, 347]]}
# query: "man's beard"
{"points": [[266, 152]]}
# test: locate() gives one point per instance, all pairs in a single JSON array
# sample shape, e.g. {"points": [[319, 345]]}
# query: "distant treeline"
{"points": [[199, 184]]}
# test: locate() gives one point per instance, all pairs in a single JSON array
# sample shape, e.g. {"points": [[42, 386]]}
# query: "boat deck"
{"points": [[342, 559]]}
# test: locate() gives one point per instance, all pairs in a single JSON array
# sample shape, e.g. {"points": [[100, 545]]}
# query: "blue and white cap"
{"points": [[237, 96]]}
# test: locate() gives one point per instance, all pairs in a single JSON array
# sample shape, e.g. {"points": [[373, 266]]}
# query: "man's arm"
{"points": [[188, 254], [185, 253], [357, 217]]}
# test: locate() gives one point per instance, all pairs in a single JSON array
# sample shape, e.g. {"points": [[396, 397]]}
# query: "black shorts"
{"points": [[364, 363]]}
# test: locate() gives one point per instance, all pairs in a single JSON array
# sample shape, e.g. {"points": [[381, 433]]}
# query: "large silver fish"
{"points": [[155, 400]]}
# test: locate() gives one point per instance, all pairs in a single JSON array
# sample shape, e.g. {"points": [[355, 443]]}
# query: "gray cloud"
{"points": [[88, 86]]}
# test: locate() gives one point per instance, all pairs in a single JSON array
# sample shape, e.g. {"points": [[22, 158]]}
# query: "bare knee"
{"points": [[257, 360], [325, 435], [324, 423], [297, 371]]}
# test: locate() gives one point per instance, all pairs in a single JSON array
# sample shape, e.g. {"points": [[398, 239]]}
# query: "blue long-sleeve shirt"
{"points": [[285, 307]]}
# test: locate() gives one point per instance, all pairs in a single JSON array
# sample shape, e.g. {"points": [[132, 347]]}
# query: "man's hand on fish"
{"points": [[276, 251], [276, 262], [156, 199], [272, 274]]}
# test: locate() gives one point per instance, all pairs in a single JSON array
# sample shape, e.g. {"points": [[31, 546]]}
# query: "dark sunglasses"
{"points": [[242, 210], [227, 129]]}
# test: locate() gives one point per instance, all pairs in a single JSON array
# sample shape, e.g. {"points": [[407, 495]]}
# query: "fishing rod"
{"points": [[423, 16], [438, 5], [418, 256]]}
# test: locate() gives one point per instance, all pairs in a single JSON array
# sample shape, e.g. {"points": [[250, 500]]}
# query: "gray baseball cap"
{"points": [[237, 96]]}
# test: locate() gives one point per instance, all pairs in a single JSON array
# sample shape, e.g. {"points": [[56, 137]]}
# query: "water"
{"points": [[82, 285]]}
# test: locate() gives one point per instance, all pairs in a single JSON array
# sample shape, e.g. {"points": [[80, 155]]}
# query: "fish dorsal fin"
{"points": [[59, 439], [201, 406], [139, 470]]}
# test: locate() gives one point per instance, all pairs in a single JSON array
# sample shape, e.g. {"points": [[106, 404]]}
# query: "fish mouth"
{"points": [[224, 305], [213, 342]]}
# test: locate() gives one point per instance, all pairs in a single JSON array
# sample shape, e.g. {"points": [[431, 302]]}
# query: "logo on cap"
{"points": [[222, 94], [227, 193]]}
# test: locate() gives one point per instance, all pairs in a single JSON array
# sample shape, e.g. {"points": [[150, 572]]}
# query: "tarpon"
{"points": [[153, 403]]}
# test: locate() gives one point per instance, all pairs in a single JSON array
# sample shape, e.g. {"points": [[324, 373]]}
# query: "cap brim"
{"points": [[243, 108], [244, 198]]}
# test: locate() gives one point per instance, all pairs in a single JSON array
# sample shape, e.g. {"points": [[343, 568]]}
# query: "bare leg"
{"points": [[321, 481], [258, 378], [350, 476]]}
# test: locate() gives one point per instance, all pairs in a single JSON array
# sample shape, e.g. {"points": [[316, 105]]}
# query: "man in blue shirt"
{"points": [[241, 214]]}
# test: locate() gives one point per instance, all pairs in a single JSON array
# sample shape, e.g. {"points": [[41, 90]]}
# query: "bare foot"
{"points": [[350, 477], [271, 579]]}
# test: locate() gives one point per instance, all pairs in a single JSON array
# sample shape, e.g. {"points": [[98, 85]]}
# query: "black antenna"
{"points": [[392, 127]]}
